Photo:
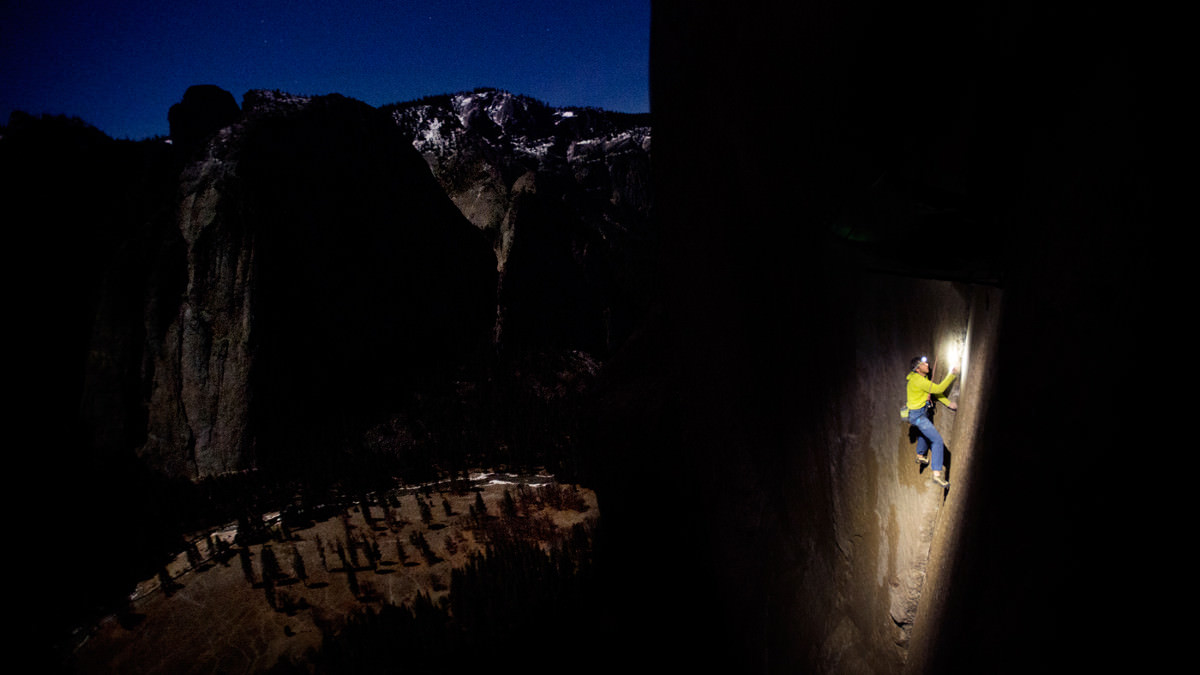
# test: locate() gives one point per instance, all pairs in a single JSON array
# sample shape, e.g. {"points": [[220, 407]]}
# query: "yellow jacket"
{"points": [[920, 388]]}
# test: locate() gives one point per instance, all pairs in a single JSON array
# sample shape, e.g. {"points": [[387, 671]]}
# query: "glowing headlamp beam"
{"points": [[956, 355]]}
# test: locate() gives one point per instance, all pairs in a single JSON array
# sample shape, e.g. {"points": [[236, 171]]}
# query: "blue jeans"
{"points": [[929, 436]]}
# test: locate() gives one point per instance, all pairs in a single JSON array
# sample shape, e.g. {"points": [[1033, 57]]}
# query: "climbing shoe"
{"points": [[940, 480], [922, 459]]}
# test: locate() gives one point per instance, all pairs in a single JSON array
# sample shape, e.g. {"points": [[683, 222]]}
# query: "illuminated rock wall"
{"points": [[886, 514], [782, 354]]}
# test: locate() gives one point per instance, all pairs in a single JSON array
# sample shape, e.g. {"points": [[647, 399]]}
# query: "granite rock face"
{"points": [[564, 195], [240, 294], [793, 306], [205, 108], [327, 275], [274, 271]]}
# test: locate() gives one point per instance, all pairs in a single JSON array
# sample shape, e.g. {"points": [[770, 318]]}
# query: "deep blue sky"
{"points": [[120, 64]]}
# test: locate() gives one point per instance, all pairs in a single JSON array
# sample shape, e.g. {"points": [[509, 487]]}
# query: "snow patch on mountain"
{"points": [[257, 102], [517, 125]]}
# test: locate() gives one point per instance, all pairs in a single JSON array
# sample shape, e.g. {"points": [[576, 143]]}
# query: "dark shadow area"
{"points": [[371, 285], [997, 144]]}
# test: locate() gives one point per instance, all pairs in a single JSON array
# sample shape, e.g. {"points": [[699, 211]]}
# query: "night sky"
{"points": [[120, 65]]}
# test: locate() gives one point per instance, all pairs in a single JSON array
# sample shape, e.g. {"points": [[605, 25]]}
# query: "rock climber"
{"points": [[921, 393]]}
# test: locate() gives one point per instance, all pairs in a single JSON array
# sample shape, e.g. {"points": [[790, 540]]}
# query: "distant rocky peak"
{"points": [[204, 110], [261, 102], [511, 124], [513, 115], [207, 112]]}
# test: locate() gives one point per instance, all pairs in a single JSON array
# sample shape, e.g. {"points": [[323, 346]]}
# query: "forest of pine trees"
{"points": [[514, 596], [529, 576]]}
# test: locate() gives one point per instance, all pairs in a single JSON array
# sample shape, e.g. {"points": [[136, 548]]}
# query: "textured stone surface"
{"points": [[563, 195], [810, 531], [314, 271], [272, 273], [198, 402]]}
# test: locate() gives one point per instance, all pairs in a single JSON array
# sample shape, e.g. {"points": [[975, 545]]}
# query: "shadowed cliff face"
{"points": [[88, 221], [328, 278], [282, 275], [759, 397], [373, 285], [245, 297]]}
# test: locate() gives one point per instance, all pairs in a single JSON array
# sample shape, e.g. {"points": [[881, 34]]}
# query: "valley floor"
{"points": [[211, 618]]}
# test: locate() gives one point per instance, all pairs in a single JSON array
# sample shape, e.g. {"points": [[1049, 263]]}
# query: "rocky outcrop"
{"points": [[327, 275], [293, 265], [204, 110], [563, 194], [246, 295], [200, 361]]}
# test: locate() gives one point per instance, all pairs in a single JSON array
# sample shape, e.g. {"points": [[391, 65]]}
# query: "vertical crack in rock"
{"points": [[907, 585]]}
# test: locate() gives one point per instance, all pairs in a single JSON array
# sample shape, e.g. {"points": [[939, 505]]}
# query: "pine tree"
{"points": [[389, 518], [426, 512], [509, 506], [247, 567], [218, 549], [270, 564], [269, 591], [165, 581], [365, 505], [418, 539], [321, 554], [193, 555], [341, 554], [369, 550], [298, 564]]}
